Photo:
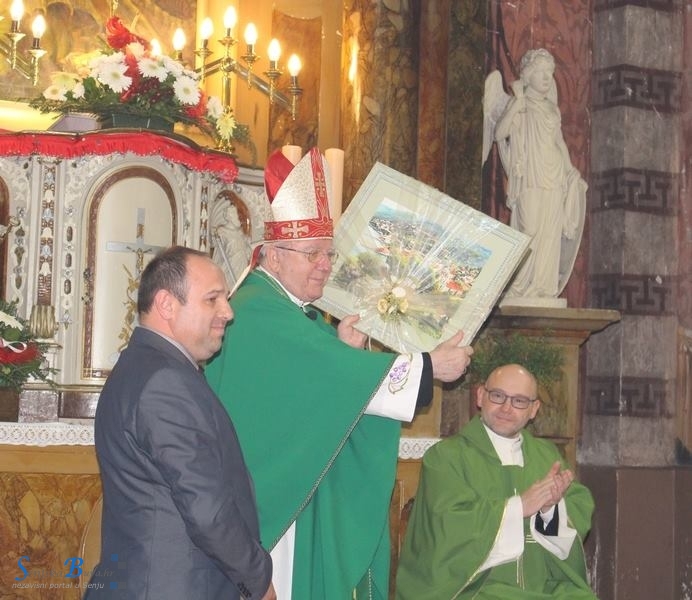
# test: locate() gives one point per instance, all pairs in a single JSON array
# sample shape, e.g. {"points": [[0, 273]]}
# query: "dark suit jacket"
{"points": [[179, 513]]}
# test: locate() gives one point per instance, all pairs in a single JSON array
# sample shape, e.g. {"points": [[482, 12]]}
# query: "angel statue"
{"points": [[545, 192], [236, 219]]}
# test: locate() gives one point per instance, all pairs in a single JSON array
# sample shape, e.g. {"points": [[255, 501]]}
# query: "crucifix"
{"points": [[139, 247]]}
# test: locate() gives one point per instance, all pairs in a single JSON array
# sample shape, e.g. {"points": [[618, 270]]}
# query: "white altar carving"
{"points": [[91, 210]]}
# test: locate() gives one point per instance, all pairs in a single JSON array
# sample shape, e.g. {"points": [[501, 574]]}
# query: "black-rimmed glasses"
{"points": [[314, 255], [499, 397]]}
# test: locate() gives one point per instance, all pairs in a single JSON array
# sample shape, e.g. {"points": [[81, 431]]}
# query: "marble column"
{"points": [[629, 428], [433, 81], [379, 88]]}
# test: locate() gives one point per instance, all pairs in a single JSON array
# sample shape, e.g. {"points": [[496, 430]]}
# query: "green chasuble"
{"points": [[296, 395], [456, 516]]}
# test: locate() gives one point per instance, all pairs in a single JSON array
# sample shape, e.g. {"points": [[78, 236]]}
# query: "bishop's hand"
{"points": [[449, 359], [348, 334]]}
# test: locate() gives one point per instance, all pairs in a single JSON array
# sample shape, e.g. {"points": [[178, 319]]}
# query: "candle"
{"points": [[274, 52], [38, 28], [250, 34], [335, 160], [179, 40], [292, 153], [294, 66], [206, 31], [16, 10], [155, 47], [230, 18]]}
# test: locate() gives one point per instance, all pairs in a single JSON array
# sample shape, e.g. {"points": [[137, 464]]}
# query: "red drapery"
{"points": [[142, 143]]}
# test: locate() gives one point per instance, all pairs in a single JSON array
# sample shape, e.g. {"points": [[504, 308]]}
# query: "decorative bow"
{"points": [[17, 347]]}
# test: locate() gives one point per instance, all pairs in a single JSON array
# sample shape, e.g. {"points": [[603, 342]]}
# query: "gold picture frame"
{"points": [[416, 264]]}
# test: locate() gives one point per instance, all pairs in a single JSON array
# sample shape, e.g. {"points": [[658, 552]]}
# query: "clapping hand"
{"points": [[547, 492]]}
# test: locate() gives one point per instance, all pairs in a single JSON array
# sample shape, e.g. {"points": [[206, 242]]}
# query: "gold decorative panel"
{"points": [[42, 519]]}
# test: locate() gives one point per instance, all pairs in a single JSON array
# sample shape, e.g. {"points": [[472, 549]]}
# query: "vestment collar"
{"points": [[508, 449], [274, 282]]}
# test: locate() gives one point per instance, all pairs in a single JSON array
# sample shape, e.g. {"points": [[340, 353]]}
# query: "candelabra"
{"points": [[28, 68], [227, 65]]}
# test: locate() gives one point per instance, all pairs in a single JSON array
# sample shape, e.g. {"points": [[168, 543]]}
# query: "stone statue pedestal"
{"points": [[534, 301]]}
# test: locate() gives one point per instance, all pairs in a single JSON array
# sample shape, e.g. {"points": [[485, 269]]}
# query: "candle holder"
{"points": [[273, 73], [250, 58], [203, 53], [295, 91], [15, 36], [36, 53], [8, 44], [227, 66]]}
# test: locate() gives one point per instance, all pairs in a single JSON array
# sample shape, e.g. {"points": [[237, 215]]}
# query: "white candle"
{"points": [[292, 153], [335, 160]]}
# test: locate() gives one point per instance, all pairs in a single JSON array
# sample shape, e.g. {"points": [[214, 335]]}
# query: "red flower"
{"points": [[119, 36], [10, 357], [199, 111]]}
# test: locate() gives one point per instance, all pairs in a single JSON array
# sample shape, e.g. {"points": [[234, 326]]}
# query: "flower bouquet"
{"points": [[21, 356], [129, 79]]}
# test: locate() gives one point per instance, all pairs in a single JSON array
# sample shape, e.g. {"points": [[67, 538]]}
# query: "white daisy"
{"points": [[191, 74], [116, 57], [78, 90], [214, 107], [136, 49], [172, 66], [113, 75], [186, 90], [55, 92], [150, 67], [10, 321], [64, 79]]}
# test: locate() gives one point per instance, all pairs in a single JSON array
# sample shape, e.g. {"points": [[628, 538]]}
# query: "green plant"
{"points": [[537, 354], [21, 355]]}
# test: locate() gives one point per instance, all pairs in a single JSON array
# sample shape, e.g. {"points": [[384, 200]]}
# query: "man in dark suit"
{"points": [[179, 513]]}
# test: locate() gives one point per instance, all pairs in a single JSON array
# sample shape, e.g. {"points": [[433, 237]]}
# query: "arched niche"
{"points": [[131, 214]]}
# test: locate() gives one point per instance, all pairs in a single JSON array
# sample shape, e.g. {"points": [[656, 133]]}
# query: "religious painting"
{"points": [[416, 264], [76, 28]]}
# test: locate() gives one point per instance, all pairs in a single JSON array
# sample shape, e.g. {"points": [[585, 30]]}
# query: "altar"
{"points": [[84, 214]]}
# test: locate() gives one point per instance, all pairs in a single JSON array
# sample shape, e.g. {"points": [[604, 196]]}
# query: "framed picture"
{"points": [[416, 264]]}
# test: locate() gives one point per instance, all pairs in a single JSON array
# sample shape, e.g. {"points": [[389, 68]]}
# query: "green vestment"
{"points": [[456, 517], [296, 395]]}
